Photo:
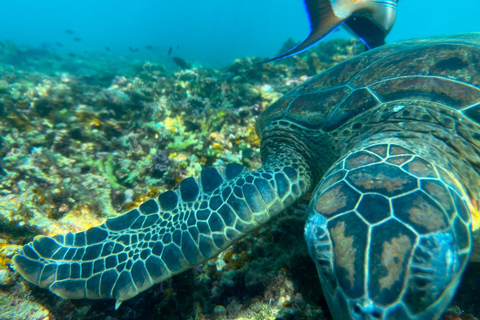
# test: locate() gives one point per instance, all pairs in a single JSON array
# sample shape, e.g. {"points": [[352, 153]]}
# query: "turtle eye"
{"points": [[320, 249], [434, 272]]}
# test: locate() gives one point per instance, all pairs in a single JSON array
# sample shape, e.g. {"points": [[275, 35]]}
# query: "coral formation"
{"points": [[84, 139]]}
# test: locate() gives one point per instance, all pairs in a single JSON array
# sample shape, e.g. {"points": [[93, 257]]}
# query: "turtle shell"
{"points": [[444, 70]]}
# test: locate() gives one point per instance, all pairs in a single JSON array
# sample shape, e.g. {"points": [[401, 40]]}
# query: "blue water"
{"points": [[212, 32]]}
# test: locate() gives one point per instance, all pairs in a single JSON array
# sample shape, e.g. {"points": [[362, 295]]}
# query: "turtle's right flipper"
{"points": [[162, 237]]}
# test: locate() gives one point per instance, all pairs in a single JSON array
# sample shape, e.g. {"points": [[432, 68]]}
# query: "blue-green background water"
{"points": [[212, 32]]}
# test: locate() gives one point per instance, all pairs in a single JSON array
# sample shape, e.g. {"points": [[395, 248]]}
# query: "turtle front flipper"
{"points": [[164, 236], [390, 235]]}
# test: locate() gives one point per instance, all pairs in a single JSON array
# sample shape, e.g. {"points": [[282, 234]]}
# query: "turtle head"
{"points": [[387, 272], [388, 244]]}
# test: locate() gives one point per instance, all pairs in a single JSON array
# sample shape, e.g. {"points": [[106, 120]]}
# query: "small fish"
{"points": [[149, 47], [69, 31], [107, 48], [178, 47], [77, 39], [58, 44], [132, 49], [181, 63], [72, 55], [190, 125], [170, 51], [370, 20]]}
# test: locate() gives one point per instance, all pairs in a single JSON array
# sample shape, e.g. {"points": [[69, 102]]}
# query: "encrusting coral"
{"points": [[100, 136]]}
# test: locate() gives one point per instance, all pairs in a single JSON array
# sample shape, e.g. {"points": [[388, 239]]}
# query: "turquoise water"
{"points": [[211, 32]]}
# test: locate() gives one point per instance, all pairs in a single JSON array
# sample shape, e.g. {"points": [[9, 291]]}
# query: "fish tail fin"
{"points": [[381, 12], [323, 21], [372, 20]]}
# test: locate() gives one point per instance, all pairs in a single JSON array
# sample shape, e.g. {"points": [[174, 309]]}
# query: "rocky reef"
{"points": [[84, 138]]}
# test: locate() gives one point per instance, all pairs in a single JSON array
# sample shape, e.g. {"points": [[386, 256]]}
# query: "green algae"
{"points": [[106, 167], [181, 142], [77, 145]]}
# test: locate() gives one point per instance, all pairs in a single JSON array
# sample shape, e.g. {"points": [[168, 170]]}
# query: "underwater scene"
{"points": [[293, 159]]}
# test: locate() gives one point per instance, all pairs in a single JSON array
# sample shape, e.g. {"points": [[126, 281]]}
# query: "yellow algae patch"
{"points": [[139, 198], [173, 125], [217, 146], [7, 251], [76, 221], [18, 308], [269, 96], [474, 208], [251, 136], [177, 157]]}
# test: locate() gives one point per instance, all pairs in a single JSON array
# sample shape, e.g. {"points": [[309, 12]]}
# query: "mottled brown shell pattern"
{"points": [[444, 70], [389, 227]]}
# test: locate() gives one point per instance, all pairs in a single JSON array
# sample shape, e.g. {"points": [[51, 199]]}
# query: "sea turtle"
{"points": [[389, 141]]}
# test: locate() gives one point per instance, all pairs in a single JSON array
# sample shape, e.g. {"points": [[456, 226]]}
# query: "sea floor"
{"points": [[86, 137]]}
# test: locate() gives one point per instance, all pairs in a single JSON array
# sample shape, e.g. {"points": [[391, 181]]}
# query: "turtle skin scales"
{"points": [[389, 142]]}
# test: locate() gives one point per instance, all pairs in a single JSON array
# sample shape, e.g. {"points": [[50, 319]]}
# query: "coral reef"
{"points": [[83, 139]]}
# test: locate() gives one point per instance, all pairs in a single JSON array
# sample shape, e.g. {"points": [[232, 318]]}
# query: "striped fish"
{"points": [[370, 20]]}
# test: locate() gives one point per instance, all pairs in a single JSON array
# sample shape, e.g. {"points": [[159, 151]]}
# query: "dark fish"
{"points": [[178, 47], [58, 44], [190, 125], [370, 20], [181, 63], [69, 31], [107, 48], [133, 49], [149, 47], [170, 51], [71, 55], [77, 39]]}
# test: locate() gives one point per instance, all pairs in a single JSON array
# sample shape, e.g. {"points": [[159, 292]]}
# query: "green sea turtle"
{"points": [[390, 143]]}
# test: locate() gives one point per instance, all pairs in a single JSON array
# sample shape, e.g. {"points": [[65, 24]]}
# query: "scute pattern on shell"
{"points": [[438, 70]]}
